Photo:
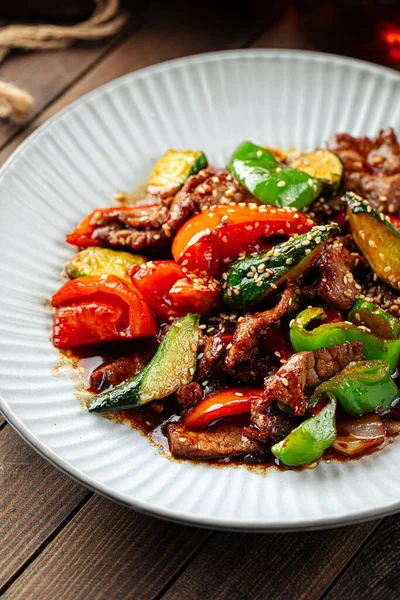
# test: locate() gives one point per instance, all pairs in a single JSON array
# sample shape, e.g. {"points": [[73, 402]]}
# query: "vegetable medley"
{"points": [[251, 311]]}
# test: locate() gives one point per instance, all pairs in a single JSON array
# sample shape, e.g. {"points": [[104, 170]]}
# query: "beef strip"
{"points": [[153, 227], [383, 296], [337, 285], [214, 442], [305, 371], [269, 423], [250, 327], [188, 395], [212, 351], [119, 370], [371, 167]]}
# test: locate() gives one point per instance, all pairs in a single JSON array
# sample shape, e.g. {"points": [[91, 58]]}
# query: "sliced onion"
{"points": [[357, 435], [392, 426]]}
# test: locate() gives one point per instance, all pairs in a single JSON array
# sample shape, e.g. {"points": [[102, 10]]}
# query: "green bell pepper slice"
{"points": [[308, 441], [379, 321], [271, 181], [362, 387], [331, 334]]}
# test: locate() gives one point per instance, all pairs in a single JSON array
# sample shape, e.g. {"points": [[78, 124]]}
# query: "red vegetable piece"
{"points": [[211, 239], [200, 296], [395, 221], [172, 293], [97, 309], [233, 401], [84, 234]]}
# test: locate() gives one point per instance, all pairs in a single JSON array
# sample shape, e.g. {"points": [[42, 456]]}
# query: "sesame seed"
{"points": [[285, 382], [183, 381], [372, 244], [289, 260], [279, 170], [179, 325], [193, 347], [259, 153], [278, 354], [281, 183], [239, 394], [191, 371]]}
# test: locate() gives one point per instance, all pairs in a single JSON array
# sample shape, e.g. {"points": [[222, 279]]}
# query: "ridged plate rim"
{"points": [[80, 476]]}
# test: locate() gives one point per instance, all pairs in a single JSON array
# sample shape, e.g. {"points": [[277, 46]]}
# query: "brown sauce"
{"points": [[152, 419]]}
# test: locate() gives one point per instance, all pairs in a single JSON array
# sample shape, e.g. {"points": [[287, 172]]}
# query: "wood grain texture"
{"points": [[286, 33], [165, 33], [108, 551], [36, 498], [48, 74], [374, 574], [295, 566]]}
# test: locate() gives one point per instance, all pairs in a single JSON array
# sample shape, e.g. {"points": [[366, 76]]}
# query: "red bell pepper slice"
{"points": [[395, 221], [233, 401], [211, 239], [171, 293], [99, 308], [84, 234]]}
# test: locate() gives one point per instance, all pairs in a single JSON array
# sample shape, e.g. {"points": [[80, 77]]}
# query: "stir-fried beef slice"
{"points": [[383, 296], [371, 167], [212, 351], [252, 371], [269, 423], [305, 371], [123, 368], [250, 327], [154, 226], [188, 395], [337, 285], [214, 442]]}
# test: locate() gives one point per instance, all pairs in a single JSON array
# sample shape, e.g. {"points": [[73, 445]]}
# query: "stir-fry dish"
{"points": [[249, 313]]}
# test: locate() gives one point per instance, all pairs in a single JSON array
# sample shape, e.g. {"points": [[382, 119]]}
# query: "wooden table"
{"points": [[60, 541]]}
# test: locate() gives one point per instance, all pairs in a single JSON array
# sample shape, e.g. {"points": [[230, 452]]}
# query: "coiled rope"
{"points": [[106, 20]]}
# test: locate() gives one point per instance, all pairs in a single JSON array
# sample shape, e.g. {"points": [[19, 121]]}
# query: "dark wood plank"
{"points": [[292, 566], [286, 33], [374, 574], [168, 30], [108, 551], [36, 499], [47, 74]]}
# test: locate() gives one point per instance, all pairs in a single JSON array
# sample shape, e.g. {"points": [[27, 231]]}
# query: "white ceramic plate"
{"points": [[108, 141]]}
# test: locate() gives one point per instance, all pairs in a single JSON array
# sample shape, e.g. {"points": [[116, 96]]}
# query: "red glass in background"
{"points": [[368, 29]]}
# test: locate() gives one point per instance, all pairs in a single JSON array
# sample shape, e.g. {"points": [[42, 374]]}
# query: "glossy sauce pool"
{"points": [[152, 419]]}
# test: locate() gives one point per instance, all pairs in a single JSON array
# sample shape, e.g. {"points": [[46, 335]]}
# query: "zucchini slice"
{"points": [[323, 165], [172, 170], [102, 261], [172, 366], [377, 320], [250, 280], [376, 237]]}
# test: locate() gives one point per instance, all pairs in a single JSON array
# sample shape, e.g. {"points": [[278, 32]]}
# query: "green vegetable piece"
{"points": [[377, 238], [172, 366], [288, 260], [172, 170], [323, 165], [331, 334], [361, 388], [308, 441], [380, 322], [102, 261], [270, 181]]}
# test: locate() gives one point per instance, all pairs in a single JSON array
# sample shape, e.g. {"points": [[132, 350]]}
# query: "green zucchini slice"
{"points": [[102, 261], [172, 170], [250, 280], [323, 165], [172, 366], [377, 238]]}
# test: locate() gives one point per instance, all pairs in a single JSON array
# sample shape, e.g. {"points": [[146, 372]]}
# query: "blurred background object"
{"points": [[368, 29]]}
